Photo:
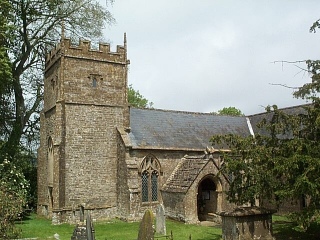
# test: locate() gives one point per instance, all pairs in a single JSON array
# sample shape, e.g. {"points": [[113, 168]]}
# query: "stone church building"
{"points": [[98, 154]]}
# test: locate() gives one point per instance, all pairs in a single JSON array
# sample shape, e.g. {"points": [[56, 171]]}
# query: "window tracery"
{"points": [[150, 169]]}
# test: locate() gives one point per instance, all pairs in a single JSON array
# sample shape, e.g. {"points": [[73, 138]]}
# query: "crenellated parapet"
{"points": [[84, 51]]}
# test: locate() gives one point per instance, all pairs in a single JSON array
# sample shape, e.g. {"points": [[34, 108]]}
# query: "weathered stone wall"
{"points": [[80, 89], [49, 128], [48, 121], [122, 181], [52, 85], [42, 168], [91, 155], [175, 205]]}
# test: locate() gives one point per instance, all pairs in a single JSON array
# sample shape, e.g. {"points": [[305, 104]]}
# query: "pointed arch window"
{"points": [[150, 169]]}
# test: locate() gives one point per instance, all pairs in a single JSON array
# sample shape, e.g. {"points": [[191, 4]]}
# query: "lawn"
{"points": [[40, 228]]}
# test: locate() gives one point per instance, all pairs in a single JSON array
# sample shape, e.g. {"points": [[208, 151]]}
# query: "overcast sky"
{"points": [[204, 55]]}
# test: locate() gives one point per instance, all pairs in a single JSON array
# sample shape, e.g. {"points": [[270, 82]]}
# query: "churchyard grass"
{"points": [[40, 228]]}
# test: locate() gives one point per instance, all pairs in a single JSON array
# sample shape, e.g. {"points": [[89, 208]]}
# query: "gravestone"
{"points": [[81, 213], [84, 231], [146, 229], [161, 220]]}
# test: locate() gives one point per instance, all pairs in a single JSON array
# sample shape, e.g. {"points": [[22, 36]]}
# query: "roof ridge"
{"points": [[179, 111], [284, 108]]}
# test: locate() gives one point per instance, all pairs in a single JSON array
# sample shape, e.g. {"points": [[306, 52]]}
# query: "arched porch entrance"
{"points": [[208, 198]]}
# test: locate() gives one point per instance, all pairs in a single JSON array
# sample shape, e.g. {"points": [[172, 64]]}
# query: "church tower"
{"points": [[85, 100]]}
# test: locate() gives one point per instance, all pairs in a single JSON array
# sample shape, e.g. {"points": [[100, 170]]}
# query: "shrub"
{"points": [[13, 195]]}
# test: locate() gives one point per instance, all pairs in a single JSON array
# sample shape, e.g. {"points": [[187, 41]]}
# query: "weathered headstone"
{"points": [[79, 233], [146, 230], [84, 231], [161, 220], [81, 213], [89, 228]]}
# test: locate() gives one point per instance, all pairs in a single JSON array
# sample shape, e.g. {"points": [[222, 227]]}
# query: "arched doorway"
{"points": [[207, 198]]}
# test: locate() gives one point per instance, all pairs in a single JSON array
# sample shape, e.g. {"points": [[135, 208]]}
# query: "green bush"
{"points": [[13, 195]]}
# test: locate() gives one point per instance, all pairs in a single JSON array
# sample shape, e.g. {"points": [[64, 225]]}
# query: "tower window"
{"points": [[94, 82]]}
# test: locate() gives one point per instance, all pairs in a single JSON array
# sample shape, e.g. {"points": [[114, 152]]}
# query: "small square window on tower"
{"points": [[94, 82], [95, 79]]}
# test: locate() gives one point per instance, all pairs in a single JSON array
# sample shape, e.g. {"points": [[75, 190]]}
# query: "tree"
{"points": [[229, 111], [135, 99], [37, 27], [283, 163], [5, 68]]}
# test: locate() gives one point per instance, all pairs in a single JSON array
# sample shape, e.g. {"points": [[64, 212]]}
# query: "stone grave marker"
{"points": [[84, 231], [161, 220], [146, 229], [89, 228], [81, 213]]}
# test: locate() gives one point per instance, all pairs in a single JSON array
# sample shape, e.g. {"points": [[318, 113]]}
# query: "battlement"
{"points": [[84, 51]]}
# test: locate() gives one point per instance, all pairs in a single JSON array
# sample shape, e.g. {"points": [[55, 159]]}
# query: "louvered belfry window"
{"points": [[150, 168]]}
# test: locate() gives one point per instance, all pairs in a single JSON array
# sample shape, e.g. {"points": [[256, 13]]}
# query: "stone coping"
{"points": [[246, 211]]}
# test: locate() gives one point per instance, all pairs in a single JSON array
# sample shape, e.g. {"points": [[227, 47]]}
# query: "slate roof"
{"points": [[163, 129], [257, 118]]}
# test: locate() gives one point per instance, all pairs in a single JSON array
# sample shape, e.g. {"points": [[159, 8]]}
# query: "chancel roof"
{"points": [[162, 129], [257, 118]]}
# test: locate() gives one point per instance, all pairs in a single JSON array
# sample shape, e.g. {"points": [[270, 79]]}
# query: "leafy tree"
{"points": [[5, 68], [135, 99], [229, 111], [37, 28], [282, 163]]}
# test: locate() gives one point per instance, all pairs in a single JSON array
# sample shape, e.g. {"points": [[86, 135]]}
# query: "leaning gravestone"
{"points": [[161, 220], [146, 230]]}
